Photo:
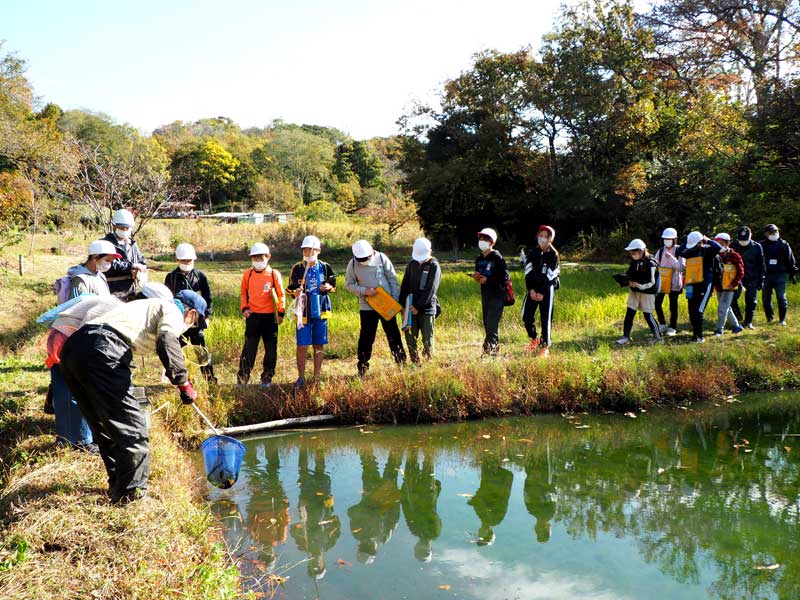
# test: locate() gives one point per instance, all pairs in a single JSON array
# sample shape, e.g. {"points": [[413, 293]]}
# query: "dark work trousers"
{"points": [[701, 294], [95, 362], [259, 326], [673, 309], [366, 338], [776, 282], [627, 325], [492, 305], [197, 337], [545, 307], [750, 303]]}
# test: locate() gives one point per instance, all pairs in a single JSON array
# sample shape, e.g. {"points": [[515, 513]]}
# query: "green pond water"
{"points": [[685, 504]]}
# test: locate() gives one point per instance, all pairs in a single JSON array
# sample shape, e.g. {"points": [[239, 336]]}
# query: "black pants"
{"points": [[701, 294], [95, 363], [545, 307], [775, 282], [673, 309], [492, 308], [750, 303], [648, 318], [366, 338], [258, 327], [197, 337]]}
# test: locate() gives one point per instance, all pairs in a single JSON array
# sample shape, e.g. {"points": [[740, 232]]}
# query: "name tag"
{"points": [[773, 261], [544, 269], [267, 288]]}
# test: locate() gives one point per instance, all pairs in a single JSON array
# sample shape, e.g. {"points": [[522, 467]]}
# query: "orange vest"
{"points": [[261, 291]]}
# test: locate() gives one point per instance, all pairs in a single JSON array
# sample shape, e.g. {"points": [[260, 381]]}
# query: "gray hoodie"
{"points": [[83, 281], [378, 271]]}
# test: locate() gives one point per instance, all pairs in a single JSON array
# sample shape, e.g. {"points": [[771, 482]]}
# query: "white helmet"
{"points": [[669, 234], [153, 289], [185, 251], [725, 237], [421, 250], [123, 217], [693, 239], [103, 247], [636, 244], [361, 249], [311, 241], [259, 248], [490, 233]]}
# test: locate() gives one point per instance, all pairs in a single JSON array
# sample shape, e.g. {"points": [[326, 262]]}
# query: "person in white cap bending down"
{"points": [[263, 307], [314, 280], [131, 265], [421, 281], [672, 267], [491, 273], [644, 282], [367, 271]]}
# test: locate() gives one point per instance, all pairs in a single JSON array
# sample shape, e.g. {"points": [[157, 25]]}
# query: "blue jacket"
{"points": [[327, 276], [778, 256], [709, 251]]}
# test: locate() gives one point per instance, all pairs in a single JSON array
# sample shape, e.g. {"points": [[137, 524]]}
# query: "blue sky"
{"points": [[355, 65]]}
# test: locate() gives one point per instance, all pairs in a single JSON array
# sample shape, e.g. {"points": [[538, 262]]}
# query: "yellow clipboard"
{"points": [[383, 304], [728, 276], [694, 270], [666, 279]]}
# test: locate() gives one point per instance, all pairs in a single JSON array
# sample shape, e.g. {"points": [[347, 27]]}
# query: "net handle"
{"points": [[205, 418]]}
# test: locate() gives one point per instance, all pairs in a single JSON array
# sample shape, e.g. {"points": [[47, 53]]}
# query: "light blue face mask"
{"points": [[180, 305]]}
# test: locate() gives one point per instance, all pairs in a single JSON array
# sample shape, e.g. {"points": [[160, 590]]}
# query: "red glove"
{"points": [[188, 393]]}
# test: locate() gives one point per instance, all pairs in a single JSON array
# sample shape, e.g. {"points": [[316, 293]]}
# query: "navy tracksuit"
{"points": [[754, 275], [541, 276], [698, 294], [780, 266]]}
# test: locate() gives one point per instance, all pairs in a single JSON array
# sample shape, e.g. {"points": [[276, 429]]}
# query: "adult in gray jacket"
{"points": [[368, 271]]}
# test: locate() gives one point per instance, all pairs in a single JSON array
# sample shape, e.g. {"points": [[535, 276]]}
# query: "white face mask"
{"points": [[122, 234], [744, 242], [773, 237], [186, 267], [543, 241], [668, 243], [259, 265], [484, 245], [310, 259], [102, 266]]}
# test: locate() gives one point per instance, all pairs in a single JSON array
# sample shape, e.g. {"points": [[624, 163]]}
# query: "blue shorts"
{"points": [[315, 332]]}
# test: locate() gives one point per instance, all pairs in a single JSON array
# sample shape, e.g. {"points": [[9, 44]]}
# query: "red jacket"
{"points": [[734, 258]]}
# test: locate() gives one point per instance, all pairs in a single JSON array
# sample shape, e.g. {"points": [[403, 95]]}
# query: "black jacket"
{"points": [[778, 256], [708, 250], [194, 280], [541, 269], [645, 271], [754, 268], [493, 267], [421, 285], [120, 275]]}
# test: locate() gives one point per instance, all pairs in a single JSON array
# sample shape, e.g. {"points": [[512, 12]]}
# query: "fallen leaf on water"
{"points": [[465, 495], [343, 563], [328, 502], [787, 448], [365, 431], [355, 530], [683, 408], [277, 579], [444, 587], [313, 437], [630, 415], [260, 564], [661, 470], [519, 455], [273, 520], [745, 442], [328, 522], [505, 460], [526, 440], [747, 450], [486, 436], [581, 427], [771, 567], [298, 526]]}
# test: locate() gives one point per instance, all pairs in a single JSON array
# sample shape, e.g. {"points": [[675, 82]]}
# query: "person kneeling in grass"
{"points": [[644, 281], [541, 279], [421, 281], [310, 282], [727, 280], [262, 306]]}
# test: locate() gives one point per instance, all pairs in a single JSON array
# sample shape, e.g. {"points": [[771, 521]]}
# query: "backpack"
{"points": [[509, 299], [61, 288]]}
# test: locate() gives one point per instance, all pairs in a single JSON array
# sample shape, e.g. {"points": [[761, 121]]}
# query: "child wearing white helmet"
{"points": [[671, 268], [263, 307], [131, 265], [369, 270], [186, 277], [421, 282], [699, 252], [492, 274], [728, 277], [644, 280], [311, 281]]}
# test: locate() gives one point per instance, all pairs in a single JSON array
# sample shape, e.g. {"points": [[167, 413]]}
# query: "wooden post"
{"points": [[21, 265]]}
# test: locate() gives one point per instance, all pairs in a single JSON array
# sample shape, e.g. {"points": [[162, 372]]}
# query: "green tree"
{"points": [[302, 158], [209, 166]]}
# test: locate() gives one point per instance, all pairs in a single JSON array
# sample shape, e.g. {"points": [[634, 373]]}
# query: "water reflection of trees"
{"points": [[686, 493]]}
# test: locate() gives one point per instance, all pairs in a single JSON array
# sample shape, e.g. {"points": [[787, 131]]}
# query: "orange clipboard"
{"points": [[728, 276], [694, 270], [666, 279], [383, 304]]}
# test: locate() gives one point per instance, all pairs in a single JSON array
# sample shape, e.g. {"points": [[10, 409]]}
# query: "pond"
{"points": [[683, 504]]}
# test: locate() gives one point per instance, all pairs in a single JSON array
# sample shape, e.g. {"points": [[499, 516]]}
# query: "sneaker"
{"points": [[670, 332], [128, 497], [623, 340], [749, 325], [718, 333], [663, 329], [545, 352], [700, 340], [533, 345], [300, 383], [656, 340], [738, 329], [782, 323]]}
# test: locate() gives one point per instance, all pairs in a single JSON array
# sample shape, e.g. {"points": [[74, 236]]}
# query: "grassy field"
{"points": [[53, 510]]}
